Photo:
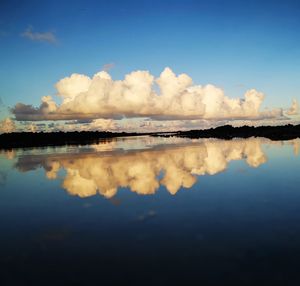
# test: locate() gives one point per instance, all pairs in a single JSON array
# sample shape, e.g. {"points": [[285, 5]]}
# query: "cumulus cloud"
{"points": [[7, 126], [32, 127], [48, 37], [84, 125], [137, 95], [294, 109]]}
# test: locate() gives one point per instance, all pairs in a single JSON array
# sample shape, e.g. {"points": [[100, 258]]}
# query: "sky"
{"points": [[229, 48]]}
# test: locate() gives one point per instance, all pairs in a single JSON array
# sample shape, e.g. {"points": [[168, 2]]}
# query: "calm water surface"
{"points": [[151, 211]]}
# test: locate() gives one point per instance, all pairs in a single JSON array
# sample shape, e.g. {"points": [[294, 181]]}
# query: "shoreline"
{"points": [[226, 132]]}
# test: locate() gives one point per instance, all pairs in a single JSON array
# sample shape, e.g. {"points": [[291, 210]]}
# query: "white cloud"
{"points": [[135, 96], [294, 109], [32, 127], [7, 126], [93, 125]]}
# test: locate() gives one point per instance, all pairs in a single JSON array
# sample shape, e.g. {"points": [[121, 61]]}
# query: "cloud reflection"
{"points": [[104, 168]]}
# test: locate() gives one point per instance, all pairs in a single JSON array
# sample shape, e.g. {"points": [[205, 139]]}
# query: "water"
{"points": [[151, 211]]}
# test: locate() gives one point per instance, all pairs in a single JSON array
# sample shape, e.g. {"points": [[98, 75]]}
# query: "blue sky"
{"points": [[232, 44]]}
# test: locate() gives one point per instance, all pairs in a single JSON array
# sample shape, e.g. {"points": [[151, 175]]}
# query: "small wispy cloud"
{"points": [[48, 37], [108, 66]]}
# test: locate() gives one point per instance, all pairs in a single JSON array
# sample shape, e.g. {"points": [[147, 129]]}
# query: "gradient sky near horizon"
{"points": [[234, 45]]}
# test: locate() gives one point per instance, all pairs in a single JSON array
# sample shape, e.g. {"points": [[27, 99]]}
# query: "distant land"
{"points": [[41, 139], [227, 132], [285, 132]]}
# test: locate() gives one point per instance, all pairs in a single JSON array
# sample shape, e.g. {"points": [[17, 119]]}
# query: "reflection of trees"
{"points": [[144, 171], [4, 168]]}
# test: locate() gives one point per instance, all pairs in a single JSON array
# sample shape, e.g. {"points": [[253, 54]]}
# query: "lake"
{"points": [[151, 211]]}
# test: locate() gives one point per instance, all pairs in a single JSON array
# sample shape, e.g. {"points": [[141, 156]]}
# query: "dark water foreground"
{"points": [[151, 211]]}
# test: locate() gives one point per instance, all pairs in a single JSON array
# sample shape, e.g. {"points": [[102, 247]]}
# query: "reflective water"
{"points": [[151, 211]]}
